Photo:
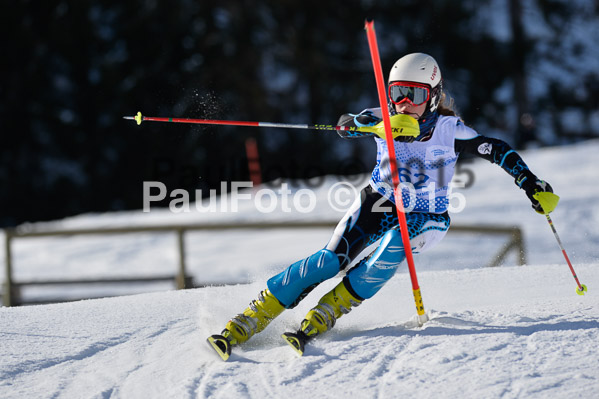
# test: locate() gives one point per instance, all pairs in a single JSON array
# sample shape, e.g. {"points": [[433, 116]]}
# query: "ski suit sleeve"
{"points": [[496, 151], [364, 118]]}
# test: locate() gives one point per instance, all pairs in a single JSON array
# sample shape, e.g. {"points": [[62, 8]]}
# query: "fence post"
{"points": [[7, 295], [516, 242], [181, 245], [519, 240]]}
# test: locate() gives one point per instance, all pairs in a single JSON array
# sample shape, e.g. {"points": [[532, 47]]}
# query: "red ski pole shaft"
{"points": [[581, 287], [139, 118], [378, 72]]}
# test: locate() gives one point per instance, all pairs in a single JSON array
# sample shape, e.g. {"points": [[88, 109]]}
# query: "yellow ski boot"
{"points": [[322, 317], [255, 318], [243, 326]]}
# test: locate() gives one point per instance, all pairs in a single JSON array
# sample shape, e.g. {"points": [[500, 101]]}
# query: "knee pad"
{"points": [[294, 283], [369, 276]]}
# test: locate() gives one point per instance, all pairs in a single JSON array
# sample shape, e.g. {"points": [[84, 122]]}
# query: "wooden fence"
{"points": [[11, 289]]}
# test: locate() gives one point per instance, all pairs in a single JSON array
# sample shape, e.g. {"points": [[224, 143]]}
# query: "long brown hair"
{"points": [[447, 105]]}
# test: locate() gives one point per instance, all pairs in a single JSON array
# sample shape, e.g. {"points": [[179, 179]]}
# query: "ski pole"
{"points": [[581, 289], [404, 127], [403, 226]]}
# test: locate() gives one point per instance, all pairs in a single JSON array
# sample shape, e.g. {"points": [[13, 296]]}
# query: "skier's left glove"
{"points": [[539, 193]]}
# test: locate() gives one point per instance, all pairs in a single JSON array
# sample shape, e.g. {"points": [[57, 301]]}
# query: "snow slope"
{"points": [[510, 332]]}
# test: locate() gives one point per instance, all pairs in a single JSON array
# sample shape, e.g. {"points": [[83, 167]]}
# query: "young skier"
{"points": [[426, 164]]}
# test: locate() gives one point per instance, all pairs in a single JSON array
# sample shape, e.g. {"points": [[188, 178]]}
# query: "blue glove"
{"points": [[366, 118]]}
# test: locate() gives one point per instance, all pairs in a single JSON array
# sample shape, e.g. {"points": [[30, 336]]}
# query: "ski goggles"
{"points": [[413, 93]]}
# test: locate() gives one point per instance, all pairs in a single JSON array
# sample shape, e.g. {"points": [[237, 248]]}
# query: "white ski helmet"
{"points": [[419, 68]]}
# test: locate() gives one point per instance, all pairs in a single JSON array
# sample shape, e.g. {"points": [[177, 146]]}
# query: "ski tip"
{"points": [[295, 341], [220, 345], [581, 290]]}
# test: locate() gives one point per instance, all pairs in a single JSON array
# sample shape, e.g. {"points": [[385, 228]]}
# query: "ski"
{"points": [[297, 341], [221, 345]]}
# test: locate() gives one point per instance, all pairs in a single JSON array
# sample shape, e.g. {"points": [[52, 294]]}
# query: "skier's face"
{"points": [[415, 111]]}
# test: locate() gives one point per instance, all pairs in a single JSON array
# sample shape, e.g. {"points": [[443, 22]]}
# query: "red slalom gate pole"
{"points": [[251, 150], [403, 225]]}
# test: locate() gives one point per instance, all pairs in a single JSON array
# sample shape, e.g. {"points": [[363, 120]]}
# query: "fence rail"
{"points": [[11, 297]]}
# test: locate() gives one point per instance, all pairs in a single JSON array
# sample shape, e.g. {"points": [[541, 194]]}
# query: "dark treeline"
{"points": [[72, 69]]}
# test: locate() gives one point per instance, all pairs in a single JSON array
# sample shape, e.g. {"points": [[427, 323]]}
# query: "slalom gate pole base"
{"points": [[422, 316]]}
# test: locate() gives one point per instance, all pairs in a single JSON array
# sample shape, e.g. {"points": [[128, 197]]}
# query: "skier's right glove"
{"points": [[403, 128], [363, 119], [366, 118], [539, 193]]}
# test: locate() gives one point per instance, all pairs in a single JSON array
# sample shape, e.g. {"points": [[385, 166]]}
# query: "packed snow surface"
{"points": [[513, 332], [510, 331]]}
